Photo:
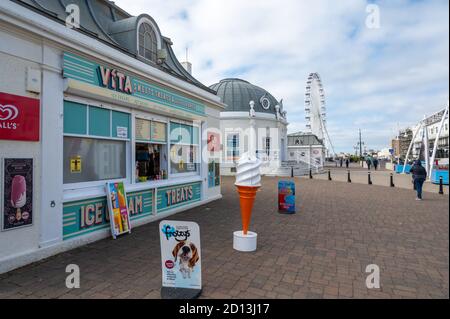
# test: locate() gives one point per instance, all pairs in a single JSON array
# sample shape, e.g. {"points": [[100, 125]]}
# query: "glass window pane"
{"points": [[120, 124], [99, 122], [151, 162], [75, 118], [88, 159], [184, 159]]}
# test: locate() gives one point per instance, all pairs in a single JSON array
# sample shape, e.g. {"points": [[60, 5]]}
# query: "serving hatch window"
{"points": [[95, 143], [151, 150]]}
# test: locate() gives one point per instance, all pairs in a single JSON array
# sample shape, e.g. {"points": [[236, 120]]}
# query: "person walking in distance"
{"points": [[419, 175], [340, 161], [375, 163], [347, 162], [369, 163]]}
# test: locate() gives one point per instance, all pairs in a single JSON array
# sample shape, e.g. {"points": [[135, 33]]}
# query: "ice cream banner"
{"points": [[180, 254], [117, 205], [17, 192]]}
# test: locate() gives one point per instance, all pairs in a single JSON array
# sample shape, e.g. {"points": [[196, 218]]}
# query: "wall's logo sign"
{"points": [[19, 118], [178, 234], [8, 112], [115, 80]]}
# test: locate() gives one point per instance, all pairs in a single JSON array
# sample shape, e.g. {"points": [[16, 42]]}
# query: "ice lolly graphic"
{"points": [[248, 181], [18, 194]]}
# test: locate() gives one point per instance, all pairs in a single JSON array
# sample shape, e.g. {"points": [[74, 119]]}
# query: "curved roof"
{"points": [[108, 23], [237, 94]]}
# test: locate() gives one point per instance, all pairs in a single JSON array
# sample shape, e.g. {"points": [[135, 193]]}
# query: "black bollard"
{"points": [[329, 175], [441, 187], [310, 174], [348, 177], [392, 180], [292, 171], [369, 179]]}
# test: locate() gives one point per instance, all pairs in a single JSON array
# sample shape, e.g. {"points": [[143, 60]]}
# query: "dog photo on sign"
{"points": [[187, 256]]}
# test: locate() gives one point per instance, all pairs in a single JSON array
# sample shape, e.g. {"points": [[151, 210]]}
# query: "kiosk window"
{"points": [[151, 150], [184, 148], [89, 159]]}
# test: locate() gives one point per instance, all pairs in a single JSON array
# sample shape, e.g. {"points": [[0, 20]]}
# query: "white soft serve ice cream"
{"points": [[247, 171]]}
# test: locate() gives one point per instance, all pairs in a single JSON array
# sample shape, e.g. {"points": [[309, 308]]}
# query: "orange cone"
{"points": [[247, 196]]}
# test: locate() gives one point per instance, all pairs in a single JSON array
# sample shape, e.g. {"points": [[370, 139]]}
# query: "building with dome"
{"points": [[247, 106]]}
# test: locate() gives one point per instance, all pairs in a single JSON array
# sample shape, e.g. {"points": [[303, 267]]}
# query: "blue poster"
{"points": [[286, 197]]}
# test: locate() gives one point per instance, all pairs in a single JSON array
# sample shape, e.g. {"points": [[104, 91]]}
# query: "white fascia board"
{"points": [[37, 24], [245, 116]]}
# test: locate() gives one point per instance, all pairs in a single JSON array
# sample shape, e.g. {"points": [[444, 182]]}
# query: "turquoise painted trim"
{"points": [[141, 201], [120, 119], [75, 118], [177, 205], [161, 196], [140, 216], [99, 122], [78, 68]]}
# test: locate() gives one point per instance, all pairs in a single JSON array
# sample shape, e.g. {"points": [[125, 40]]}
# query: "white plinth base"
{"points": [[243, 242]]}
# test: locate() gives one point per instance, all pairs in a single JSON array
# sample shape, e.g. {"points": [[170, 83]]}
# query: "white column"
{"points": [[52, 148], [204, 159]]}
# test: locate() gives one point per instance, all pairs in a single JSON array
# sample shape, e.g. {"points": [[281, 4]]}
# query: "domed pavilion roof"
{"points": [[237, 94]]}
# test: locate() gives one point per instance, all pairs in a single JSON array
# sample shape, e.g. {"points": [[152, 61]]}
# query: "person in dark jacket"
{"points": [[369, 163], [340, 162], [347, 162], [419, 175], [375, 163]]}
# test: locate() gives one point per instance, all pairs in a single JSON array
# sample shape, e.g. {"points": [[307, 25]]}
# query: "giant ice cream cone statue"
{"points": [[248, 181]]}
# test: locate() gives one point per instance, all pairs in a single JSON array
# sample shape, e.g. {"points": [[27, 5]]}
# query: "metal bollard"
{"points": [[329, 175], [348, 177], [441, 186], [369, 179], [392, 180], [292, 171], [310, 174]]}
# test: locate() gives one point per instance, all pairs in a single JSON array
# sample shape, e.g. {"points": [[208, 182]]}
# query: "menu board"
{"points": [[142, 129], [159, 132], [118, 209]]}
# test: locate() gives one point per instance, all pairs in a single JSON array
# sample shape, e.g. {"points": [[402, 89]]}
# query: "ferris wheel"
{"points": [[315, 109]]}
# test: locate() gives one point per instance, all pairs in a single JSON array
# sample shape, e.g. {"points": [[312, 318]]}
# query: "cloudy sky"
{"points": [[374, 78]]}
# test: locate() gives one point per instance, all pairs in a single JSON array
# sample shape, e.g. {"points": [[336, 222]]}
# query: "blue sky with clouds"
{"points": [[374, 78]]}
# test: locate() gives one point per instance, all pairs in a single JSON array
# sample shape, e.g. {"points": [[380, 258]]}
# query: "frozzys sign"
{"points": [[80, 69], [180, 254], [19, 118]]}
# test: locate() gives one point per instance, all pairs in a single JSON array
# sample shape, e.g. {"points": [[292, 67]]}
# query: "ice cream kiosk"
{"points": [[80, 108]]}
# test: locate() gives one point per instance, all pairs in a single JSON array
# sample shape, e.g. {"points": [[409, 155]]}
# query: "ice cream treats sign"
{"points": [[17, 192], [179, 195], [19, 118], [180, 254]]}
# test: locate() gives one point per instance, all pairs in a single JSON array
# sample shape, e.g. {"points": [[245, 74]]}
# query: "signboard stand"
{"points": [[119, 216], [180, 293], [180, 260]]}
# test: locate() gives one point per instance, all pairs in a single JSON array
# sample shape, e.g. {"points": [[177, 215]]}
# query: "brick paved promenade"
{"points": [[320, 252]]}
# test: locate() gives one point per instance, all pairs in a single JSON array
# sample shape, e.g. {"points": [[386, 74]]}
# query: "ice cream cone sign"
{"points": [[248, 181]]}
